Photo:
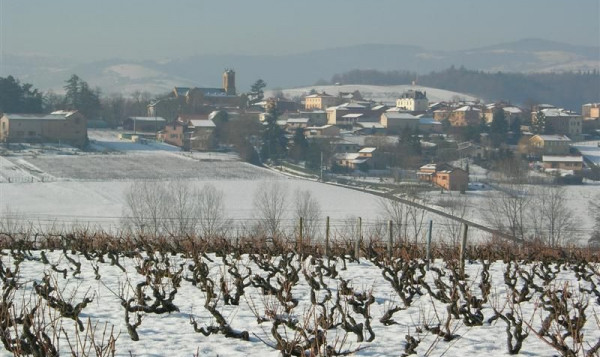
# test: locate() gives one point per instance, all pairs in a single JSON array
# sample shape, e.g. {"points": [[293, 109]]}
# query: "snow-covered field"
{"points": [[90, 187], [384, 94], [53, 186], [171, 334]]}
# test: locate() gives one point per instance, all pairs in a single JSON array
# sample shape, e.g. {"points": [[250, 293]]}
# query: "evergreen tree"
{"points": [[538, 126], [299, 147], [274, 144], [256, 93], [79, 96], [19, 98], [498, 128]]}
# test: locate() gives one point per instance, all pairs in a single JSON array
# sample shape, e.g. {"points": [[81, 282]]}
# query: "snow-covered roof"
{"points": [[148, 119], [319, 95], [57, 115], [298, 121], [467, 108], [554, 137], [319, 127], [563, 158], [512, 110], [367, 150], [558, 112], [354, 115], [202, 123], [393, 115], [352, 106]]}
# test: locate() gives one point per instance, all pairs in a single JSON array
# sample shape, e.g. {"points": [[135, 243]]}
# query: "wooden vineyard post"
{"points": [[463, 246], [428, 251], [390, 245], [300, 237], [358, 239], [327, 237]]}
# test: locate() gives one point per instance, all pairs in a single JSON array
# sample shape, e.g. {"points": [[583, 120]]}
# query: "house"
{"points": [[466, 115], [369, 128], [446, 176], [562, 162], [374, 159], [68, 127], [590, 111], [347, 114], [511, 113], [319, 101], [297, 123], [396, 122], [144, 124], [560, 121], [321, 131], [413, 101], [190, 133], [549, 144], [350, 161]]}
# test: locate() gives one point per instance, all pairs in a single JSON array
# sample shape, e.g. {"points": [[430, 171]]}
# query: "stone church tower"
{"points": [[229, 81]]}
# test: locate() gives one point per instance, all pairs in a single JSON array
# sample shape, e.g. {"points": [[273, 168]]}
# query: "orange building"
{"points": [[449, 177]]}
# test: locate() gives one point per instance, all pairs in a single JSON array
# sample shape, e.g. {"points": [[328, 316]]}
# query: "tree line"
{"points": [[17, 97], [566, 89]]}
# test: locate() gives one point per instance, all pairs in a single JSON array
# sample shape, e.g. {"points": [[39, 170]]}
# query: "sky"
{"points": [[149, 29]]}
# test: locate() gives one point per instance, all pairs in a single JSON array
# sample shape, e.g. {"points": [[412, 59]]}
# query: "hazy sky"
{"points": [[147, 29]]}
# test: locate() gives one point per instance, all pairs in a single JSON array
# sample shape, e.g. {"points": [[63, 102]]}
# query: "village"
{"points": [[343, 134]]}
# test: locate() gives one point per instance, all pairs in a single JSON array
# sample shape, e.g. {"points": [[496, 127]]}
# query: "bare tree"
{"points": [[309, 209], [458, 207], [393, 210], [507, 209], [552, 220], [144, 207], [270, 203], [210, 210], [179, 208]]}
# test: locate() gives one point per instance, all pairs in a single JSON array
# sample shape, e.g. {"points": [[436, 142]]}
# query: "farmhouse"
{"points": [[190, 133], [68, 127], [549, 144], [449, 177], [563, 162]]}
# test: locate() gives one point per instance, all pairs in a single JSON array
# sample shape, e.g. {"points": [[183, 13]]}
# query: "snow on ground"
{"points": [[384, 94], [90, 187], [171, 334]]}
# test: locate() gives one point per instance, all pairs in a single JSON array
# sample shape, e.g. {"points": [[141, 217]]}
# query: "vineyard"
{"points": [[91, 294]]}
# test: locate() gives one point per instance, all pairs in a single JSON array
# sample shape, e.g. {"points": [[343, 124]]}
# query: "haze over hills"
{"points": [[302, 69]]}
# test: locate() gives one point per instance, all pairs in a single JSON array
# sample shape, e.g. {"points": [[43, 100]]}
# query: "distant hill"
{"points": [[301, 69], [567, 89]]}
